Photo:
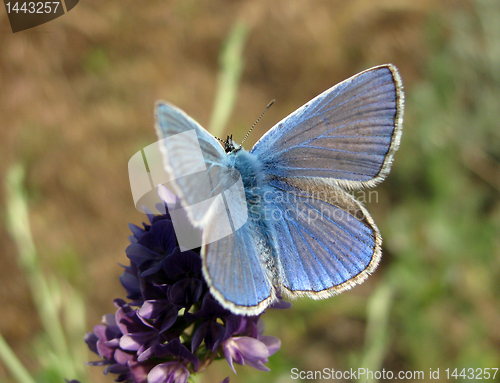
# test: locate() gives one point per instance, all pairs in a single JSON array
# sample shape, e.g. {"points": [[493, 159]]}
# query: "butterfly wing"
{"points": [[347, 135], [327, 240], [344, 138], [213, 196], [234, 253], [193, 159], [233, 269]]}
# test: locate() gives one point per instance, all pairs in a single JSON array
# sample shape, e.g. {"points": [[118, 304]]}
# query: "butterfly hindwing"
{"points": [[234, 271], [348, 134], [327, 240]]}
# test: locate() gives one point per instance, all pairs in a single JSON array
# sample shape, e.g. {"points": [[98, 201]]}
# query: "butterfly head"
{"points": [[230, 145]]}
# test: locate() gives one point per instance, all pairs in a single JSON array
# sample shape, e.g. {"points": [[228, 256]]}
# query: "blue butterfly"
{"points": [[287, 225]]}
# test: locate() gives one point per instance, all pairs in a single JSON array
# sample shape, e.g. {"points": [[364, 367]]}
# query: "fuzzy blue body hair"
{"points": [[256, 185]]}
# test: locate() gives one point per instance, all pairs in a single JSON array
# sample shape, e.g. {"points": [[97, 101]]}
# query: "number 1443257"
{"points": [[471, 373], [33, 7]]}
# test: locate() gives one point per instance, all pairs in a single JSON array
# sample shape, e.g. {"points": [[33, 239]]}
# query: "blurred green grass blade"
{"points": [[75, 324], [17, 219], [377, 337], [19, 228], [230, 68], [13, 364]]}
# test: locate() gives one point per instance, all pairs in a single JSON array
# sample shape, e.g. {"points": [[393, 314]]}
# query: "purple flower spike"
{"points": [[171, 324]]}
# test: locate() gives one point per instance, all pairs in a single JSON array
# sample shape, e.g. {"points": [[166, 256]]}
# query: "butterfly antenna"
{"points": [[265, 110], [220, 140]]}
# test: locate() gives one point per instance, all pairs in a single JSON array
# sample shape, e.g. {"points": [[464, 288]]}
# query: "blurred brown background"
{"points": [[76, 102]]}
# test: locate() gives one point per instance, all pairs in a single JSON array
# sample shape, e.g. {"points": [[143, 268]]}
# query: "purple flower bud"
{"points": [[137, 232], [131, 282], [183, 269]]}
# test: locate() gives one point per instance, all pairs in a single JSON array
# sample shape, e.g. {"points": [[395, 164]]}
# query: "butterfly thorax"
{"points": [[250, 168]]}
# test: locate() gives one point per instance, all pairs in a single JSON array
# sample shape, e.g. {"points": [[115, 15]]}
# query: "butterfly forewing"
{"points": [[192, 157], [348, 134]]}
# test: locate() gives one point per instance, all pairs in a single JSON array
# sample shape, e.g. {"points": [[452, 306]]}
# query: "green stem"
{"points": [[377, 329], [13, 364], [19, 228], [231, 66]]}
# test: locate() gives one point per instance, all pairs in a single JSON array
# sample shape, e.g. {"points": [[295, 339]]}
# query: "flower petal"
{"points": [[179, 264], [186, 292], [176, 349], [272, 343], [169, 372], [140, 371], [251, 348], [231, 353]]}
